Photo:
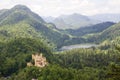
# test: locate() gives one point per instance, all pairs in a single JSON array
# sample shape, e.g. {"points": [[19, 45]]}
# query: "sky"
{"points": [[65, 7]]}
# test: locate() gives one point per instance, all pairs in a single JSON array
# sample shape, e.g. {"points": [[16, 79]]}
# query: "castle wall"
{"points": [[40, 61]]}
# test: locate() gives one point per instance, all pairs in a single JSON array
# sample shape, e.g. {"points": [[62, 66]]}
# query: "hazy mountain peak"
{"points": [[21, 7], [71, 21], [76, 14], [19, 13]]}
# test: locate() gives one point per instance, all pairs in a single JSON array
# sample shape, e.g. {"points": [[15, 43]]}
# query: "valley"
{"points": [[69, 47]]}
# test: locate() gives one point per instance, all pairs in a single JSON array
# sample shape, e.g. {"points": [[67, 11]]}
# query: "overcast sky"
{"points": [[58, 7]]}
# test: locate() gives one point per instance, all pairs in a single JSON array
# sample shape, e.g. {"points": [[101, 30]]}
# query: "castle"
{"points": [[39, 61]]}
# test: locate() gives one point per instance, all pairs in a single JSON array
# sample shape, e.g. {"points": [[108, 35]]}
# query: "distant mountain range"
{"points": [[72, 21], [106, 17], [75, 21]]}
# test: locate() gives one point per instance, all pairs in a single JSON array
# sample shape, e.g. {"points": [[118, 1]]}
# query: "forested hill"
{"points": [[18, 13], [111, 33], [22, 33], [20, 21], [15, 54], [90, 29]]}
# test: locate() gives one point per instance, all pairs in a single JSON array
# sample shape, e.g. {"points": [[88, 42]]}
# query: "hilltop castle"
{"points": [[39, 60]]}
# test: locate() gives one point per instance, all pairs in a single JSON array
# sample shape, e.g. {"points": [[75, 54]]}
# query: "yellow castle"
{"points": [[39, 60]]}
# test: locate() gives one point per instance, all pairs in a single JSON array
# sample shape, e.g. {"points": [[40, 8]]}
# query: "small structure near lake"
{"points": [[39, 61]]}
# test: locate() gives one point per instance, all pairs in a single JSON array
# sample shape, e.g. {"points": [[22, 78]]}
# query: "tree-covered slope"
{"points": [[20, 21], [111, 33], [18, 13], [90, 29], [15, 54]]}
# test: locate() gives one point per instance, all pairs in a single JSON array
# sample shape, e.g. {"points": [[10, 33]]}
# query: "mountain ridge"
{"points": [[72, 21], [17, 22], [90, 29]]}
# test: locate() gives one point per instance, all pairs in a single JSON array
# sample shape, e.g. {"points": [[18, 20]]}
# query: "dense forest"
{"points": [[78, 64], [23, 33]]}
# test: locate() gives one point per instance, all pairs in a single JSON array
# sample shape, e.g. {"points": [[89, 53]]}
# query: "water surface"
{"points": [[77, 46]]}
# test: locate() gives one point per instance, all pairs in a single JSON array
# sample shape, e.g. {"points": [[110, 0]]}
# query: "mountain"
{"points": [[96, 33], [18, 13], [106, 17], [2, 11], [90, 29], [22, 33], [20, 21], [48, 19], [110, 33], [72, 21]]}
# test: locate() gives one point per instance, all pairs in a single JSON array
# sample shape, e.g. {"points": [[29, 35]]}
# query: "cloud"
{"points": [[58, 7]]}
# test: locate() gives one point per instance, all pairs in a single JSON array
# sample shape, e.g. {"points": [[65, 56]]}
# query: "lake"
{"points": [[77, 46]]}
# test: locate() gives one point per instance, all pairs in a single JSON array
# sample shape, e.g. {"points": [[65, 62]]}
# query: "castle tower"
{"points": [[40, 61]]}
